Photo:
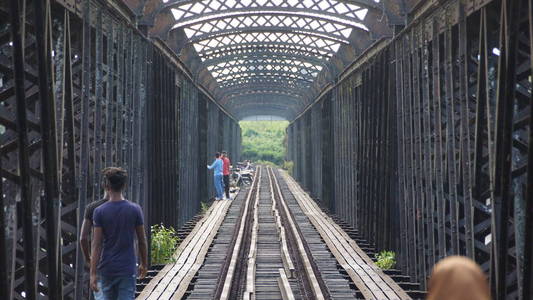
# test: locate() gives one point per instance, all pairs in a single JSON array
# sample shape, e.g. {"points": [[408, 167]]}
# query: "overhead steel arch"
{"points": [[280, 80], [270, 74], [307, 32], [259, 106], [282, 112], [265, 66], [268, 80], [300, 13], [245, 89], [267, 48], [243, 48], [266, 54], [276, 99], [267, 83], [296, 40], [264, 111], [269, 21], [369, 4], [263, 92], [265, 60], [195, 12]]}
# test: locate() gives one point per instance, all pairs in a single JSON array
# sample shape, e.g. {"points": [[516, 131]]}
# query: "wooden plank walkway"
{"points": [[173, 280], [369, 279]]}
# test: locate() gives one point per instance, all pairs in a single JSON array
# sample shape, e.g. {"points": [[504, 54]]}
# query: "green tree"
{"points": [[264, 141]]}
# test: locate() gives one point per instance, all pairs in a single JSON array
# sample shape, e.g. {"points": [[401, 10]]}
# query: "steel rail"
{"points": [[249, 292], [311, 276], [230, 269]]}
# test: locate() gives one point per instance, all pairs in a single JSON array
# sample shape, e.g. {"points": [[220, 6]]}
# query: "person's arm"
{"points": [[212, 165], [143, 250], [85, 233], [95, 257]]}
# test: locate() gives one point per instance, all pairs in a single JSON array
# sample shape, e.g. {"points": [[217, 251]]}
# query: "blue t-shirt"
{"points": [[217, 166], [118, 220]]}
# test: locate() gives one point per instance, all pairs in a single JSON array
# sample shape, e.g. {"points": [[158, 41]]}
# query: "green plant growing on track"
{"points": [[386, 259], [288, 166], [164, 243], [204, 207]]}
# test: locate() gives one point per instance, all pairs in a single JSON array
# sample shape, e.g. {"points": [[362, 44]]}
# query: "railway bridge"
{"points": [[410, 131]]}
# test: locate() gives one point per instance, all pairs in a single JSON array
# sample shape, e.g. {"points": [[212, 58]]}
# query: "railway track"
{"points": [[270, 258], [271, 242]]}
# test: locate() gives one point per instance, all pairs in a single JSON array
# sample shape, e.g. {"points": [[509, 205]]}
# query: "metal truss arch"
{"points": [[263, 92], [305, 32], [244, 76], [296, 40], [265, 54], [306, 71], [246, 89], [268, 82], [224, 40], [269, 48]]}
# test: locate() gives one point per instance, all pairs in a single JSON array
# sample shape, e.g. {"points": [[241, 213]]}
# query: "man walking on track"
{"points": [[85, 237], [226, 172], [116, 223], [216, 166]]}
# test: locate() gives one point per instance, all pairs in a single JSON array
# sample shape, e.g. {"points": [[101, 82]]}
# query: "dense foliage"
{"points": [[164, 243], [386, 259], [263, 141]]}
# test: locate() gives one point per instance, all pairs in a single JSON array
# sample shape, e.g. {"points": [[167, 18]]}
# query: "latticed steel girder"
{"points": [[369, 4], [257, 62], [241, 76], [305, 70], [253, 107], [267, 82], [244, 89], [307, 42], [301, 95], [268, 48], [158, 16], [263, 54], [296, 40], [274, 47], [265, 111], [264, 29], [288, 104], [188, 13], [288, 84], [267, 98]]}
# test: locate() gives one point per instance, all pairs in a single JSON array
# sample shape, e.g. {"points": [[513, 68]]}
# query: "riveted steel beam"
{"points": [[263, 67], [263, 62], [260, 74], [258, 88], [247, 112], [265, 54], [277, 11], [278, 49], [259, 106], [294, 46], [300, 31], [261, 99]]}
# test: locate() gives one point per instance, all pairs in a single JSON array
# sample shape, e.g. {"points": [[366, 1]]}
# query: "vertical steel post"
{"points": [[528, 251], [25, 205]]}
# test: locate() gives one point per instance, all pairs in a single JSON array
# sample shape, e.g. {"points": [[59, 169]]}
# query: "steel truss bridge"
{"points": [[411, 120]]}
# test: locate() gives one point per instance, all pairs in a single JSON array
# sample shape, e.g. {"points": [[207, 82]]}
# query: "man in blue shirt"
{"points": [[116, 223], [217, 172]]}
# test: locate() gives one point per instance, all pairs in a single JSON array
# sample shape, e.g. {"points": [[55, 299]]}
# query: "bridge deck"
{"points": [[272, 242]]}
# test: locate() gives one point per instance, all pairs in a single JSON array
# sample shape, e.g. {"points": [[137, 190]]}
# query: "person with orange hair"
{"points": [[458, 278]]}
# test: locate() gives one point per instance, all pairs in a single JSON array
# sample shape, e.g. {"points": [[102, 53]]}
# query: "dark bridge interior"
{"points": [[410, 119]]}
